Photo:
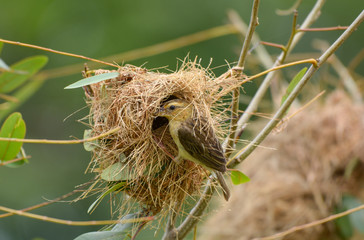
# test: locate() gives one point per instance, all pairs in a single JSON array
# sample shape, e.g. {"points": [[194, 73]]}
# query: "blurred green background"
{"points": [[99, 29]]}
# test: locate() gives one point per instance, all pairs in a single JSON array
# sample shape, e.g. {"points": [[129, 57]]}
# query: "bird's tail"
{"points": [[224, 186]]}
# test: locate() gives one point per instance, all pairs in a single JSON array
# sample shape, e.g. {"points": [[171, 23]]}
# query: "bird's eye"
{"points": [[172, 107]]}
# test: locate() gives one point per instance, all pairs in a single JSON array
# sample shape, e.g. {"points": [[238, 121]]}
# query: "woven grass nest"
{"points": [[130, 102]]}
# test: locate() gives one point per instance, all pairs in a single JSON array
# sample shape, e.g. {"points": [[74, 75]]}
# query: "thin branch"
{"points": [[300, 109], [194, 217], [148, 51], [322, 29], [244, 153], [342, 71], [41, 204], [356, 60], [252, 25], [57, 52], [260, 50], [312, 224], [238, 71], [253, 105], [171, 231], [6, 162], [9, 98], [291, 37], [288, 11], [46, 141], [276, 45], [73, 223]]}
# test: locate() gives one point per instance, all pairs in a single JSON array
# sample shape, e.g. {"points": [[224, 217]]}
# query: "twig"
{"points": [[57, 52], [9, 98], [192, 219], [300, 109], [289, 10], [260, 50], [46, 141], [172, 217], [342, 71], [73, 223], [238, 71], [252, 25], [322, 29], [244, 153], [356, 60], [253, 105], [276, 45], [41, 204], [291, 37], [312, 224], [148, 51], [5, 162]]}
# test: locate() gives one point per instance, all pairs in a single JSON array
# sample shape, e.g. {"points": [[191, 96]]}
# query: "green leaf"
{"points": [[118, 232], [117, 187], [22, 94], [293, 84], [356, 218], [115, 172], [238, 177], [93, 79], [1, 46], [11, 80], [343, 224], [13, 127], [89, 146], [19, 163]]}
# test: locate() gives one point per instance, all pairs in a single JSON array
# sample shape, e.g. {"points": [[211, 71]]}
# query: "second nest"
{"points": [[130, 102]]}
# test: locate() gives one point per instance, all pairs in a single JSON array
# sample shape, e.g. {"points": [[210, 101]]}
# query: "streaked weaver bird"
{"points": [[195, 139]]}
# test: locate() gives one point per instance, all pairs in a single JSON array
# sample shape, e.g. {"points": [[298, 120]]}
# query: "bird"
{"points": [[195, 139]]}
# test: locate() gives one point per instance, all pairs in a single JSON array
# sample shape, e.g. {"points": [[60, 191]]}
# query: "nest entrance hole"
{"points": [[161, 121]]}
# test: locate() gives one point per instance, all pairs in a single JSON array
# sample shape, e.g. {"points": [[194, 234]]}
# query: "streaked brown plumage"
{"points": [[195, 139]]}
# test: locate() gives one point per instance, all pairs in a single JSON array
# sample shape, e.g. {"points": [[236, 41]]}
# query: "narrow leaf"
{"points": [[293, 83], [238, 177], [119, 231], [13, 127], [93, 79], [116, 187], [343, 224], [89, 146], [29, 66], [1, 46], [115, 172]]}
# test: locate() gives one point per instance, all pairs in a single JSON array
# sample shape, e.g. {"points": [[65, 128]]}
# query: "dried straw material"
{"points": [[131, 102], [302, 180]]}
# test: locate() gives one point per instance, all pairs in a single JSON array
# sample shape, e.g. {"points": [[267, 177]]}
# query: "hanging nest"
{"points": [[140, 153], [302, 180]]}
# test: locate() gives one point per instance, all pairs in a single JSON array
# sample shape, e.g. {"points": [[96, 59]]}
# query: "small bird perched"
{"points": [[195, 139]]}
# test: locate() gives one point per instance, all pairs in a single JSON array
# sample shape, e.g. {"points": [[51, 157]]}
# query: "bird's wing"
{"points": [[202, 144]]}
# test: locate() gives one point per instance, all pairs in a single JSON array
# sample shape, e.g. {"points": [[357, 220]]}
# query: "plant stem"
{"points": [[253, 105], [148, 51], [312, 224], [244, 153], [195, 214], [46, 141], [238, 71]]}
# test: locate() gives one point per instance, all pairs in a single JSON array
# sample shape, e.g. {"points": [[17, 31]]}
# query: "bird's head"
{"points": [[176, 110]]}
